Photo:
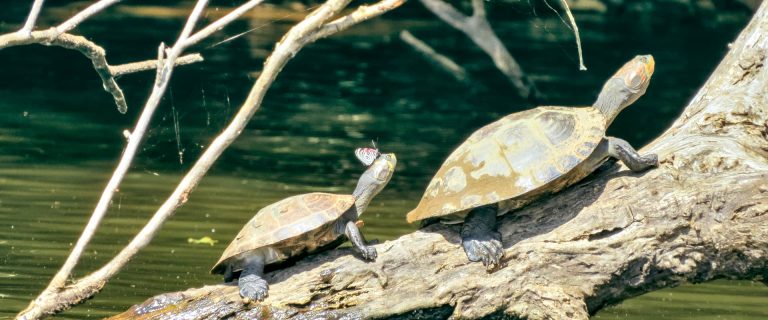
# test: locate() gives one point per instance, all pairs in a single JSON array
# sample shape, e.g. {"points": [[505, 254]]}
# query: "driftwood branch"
{"points": [[436, 59], [702, 215]]}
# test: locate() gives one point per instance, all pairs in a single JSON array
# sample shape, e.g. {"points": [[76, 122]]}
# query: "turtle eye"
{"points": [[384, 169]]}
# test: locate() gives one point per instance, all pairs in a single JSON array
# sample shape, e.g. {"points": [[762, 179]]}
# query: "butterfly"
{"points": [[367, 155]]}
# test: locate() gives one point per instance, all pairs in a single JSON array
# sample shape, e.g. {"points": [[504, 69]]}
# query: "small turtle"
{"points": [[301, 224], [517, 159]]}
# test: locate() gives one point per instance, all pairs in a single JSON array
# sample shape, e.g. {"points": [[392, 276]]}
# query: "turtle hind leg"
{"points": [[251, 283], [623, 151], [480, 239]]}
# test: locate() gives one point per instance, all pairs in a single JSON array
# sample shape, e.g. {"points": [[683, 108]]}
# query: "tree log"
{"points": [[701, 215]]}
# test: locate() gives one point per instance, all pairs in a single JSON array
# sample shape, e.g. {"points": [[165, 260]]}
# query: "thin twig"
{"points": [[575, 32], [447, 13], [90, 50], [94, 52], [145, 65], [84, 14], [438, 60], [362, 13], [181, 42], [223, 21], [26, 30], [479, 30]]}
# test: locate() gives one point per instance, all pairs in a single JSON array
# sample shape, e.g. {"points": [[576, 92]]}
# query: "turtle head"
{"points": [[373, 180], [625, 86]]}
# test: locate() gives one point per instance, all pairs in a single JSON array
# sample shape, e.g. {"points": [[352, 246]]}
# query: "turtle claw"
{"points": [[369, 253], [473, 249], [496, 252], [252, 287], [487, 251]]}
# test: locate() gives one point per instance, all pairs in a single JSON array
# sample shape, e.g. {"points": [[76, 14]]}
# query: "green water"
{"points": [[60, 135]]}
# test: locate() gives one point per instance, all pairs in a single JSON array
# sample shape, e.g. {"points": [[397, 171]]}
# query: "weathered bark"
{"points": [[701, 215]]}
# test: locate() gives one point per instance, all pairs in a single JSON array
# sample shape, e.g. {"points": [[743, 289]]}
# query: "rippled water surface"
{"points": [[60, 135]]}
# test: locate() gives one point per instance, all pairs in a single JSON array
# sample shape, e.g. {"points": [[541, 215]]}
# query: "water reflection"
{"points": [[60, 135]]}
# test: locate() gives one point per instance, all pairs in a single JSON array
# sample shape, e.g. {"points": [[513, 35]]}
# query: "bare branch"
{"points": [[575, 32], [160, 63], [93, 52], [26, 30], [447, 13], [50, 300], [134, 67], [223, 21], [90, 50], [477, 28], [84, 14], [190, 25], [361, 14], [57, 297], [133, 143], [440, 61], [478, 9]]}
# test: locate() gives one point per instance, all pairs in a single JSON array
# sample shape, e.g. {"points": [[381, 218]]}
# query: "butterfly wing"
{"points": [[367, 155]]}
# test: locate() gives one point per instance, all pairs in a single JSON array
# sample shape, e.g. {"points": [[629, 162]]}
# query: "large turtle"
{"points": [[300, 225], [517, 159]]}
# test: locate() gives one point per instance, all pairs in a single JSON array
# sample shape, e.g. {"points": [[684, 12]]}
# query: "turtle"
{"points": [[523, 156], [300, 225]]}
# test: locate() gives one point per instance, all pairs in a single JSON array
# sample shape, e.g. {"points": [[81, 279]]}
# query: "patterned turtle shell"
{"points": [[524, 153], [300, 223]]}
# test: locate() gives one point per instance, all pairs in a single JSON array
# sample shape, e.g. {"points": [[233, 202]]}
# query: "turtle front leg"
{"points": [[354, 235], [480, 239], [252, 285], [623, 151]]}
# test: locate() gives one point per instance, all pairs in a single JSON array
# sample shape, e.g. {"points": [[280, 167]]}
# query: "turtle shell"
{"points": [[515, 156], [289, 226]]}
